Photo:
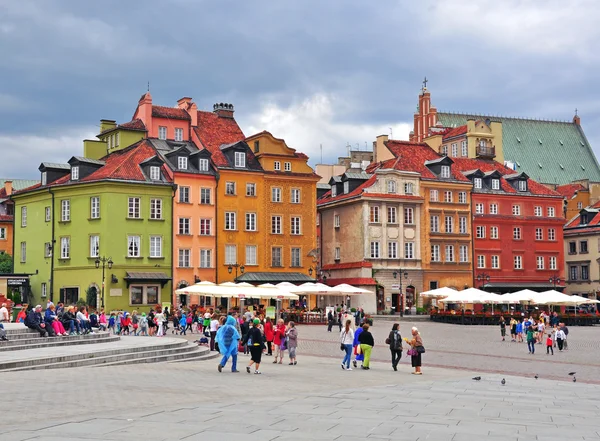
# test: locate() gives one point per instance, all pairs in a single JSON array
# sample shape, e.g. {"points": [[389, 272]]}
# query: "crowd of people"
{"points": [[547, 329]]}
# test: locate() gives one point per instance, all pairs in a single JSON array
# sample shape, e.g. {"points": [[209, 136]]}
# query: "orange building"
{"points": [[577, 197], [7, 186]]}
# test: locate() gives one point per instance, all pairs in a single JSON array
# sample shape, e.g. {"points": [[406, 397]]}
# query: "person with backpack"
{"points": [[142, 325], [394, 341]]}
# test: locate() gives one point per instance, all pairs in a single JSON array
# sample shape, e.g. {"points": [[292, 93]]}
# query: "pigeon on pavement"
{"points": [[503, 382], [476, 378], [572, 373], [574, 379], [536, 376]]}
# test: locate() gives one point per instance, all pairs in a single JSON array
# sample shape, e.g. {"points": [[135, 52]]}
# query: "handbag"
{"points": [[411, 352], [387, 341], [420, 349], [342, 347]]}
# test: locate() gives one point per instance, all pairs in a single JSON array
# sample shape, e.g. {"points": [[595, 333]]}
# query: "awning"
{"points": [[146, 277], [268, 277]]}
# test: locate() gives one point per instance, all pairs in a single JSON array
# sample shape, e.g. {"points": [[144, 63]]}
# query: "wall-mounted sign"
{"points": [[396, 287], [17, 282]]}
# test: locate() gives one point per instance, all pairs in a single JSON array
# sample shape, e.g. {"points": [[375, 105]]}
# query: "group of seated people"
{"points": [[68, 320]]}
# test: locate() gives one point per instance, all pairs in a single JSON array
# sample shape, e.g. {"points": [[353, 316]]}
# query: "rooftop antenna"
{"points": [[148, 86], [348, 147], [321, 153], [575, 111], [366, 146], [391, 133]]}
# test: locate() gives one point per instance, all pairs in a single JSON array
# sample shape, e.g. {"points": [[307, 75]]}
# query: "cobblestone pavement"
{"points": [[476, 348], [314, 400]]}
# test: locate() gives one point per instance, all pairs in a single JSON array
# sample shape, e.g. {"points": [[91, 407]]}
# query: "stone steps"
{"points": [[34, 341], [122, 352]]}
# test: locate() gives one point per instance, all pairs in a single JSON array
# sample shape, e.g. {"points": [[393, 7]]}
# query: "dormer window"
{"points": [[477, 183], [408, 188], [287, 166], [203, 164], [154, 173], [584, 219], [74, 173], [495, 184], [445, 173], [333, 191], [346, 187], [276, 165], [182, 163], [391, 186], [256, 146], [522, 185], [44, 178], [240, 159]]}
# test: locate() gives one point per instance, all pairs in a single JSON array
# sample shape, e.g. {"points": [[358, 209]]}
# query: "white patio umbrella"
{"points": [[350, 290], [583, 300], [525, 295], [553, 297], [439, 292]]}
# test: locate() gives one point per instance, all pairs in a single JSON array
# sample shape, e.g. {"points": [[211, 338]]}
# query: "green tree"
{"points": [[6, 264]]}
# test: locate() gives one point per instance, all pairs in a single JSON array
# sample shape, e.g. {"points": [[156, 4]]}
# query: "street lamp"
{"points": [[105, 261], [555, 280], [236, 266], [483, 277], [320, 274], [401, 272]]}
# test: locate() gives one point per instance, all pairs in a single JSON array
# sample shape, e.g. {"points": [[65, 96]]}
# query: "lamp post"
{"points": [[555, 280], [401, 273], [236, 266], [484, 278], [320, 274], [105, 261]]}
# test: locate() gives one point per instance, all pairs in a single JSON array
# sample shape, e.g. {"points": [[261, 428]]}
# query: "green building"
{"points": [[90, 217]]}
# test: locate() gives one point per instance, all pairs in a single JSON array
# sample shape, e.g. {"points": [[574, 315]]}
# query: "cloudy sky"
{"points": [[313, 72]]}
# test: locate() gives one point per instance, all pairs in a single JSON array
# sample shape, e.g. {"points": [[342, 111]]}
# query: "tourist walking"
{"points": [[394, 340], [358, 356], [269, 335], [256, 344], [513, 329], [560, 338], [530, 340], [416, 349], [565, 330], [214, 326], [549, 347], [159, 318], [228, 338], [520, 331], [329, 320], [279, 340], [292, 342], [143, 325], [346, 342], [502, 328], [366, 345]]}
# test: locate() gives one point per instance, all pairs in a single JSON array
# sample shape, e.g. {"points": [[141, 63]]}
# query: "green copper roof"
{"points": [[19, 184], [550, 152]]}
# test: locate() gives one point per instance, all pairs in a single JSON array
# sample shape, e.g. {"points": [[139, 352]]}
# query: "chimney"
{"points": [[144, 111], [223, 110], [8, 187], [107, 124], [191, 108], [577, 120]]}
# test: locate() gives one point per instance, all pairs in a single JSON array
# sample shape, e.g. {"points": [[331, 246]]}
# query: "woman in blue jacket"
{"points": [[358, 357]]}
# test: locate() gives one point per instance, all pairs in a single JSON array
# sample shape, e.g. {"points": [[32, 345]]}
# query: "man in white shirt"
{"points": [[4, 314]]}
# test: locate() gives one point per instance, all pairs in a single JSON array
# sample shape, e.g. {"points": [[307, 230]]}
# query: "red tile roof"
{"points": [[170, 112], [136, 124], [214, 131], [392, 196], [354, 281], [453, 133], [411, 156], [569, 190], [348, 265], [467, 164]]}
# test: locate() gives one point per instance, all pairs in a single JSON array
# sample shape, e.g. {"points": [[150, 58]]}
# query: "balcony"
{"points": [[485, 152]]}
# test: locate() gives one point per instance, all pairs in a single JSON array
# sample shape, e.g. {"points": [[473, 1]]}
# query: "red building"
{"points": [[517, 229]]}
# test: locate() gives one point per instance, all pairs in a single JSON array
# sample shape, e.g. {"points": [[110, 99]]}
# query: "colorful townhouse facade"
{"points": [[447, 223], [88, 218], [582, 252]]}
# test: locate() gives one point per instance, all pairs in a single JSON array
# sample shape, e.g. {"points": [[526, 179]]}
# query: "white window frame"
{"points": [[537, 211], [230, 221], [250, 189], [409, 250], [539, 234], [94, 207], [374, 215], [182, 162], [477, 183], [178, 134], [434, 223], [230, 254], [551, 234], [391, 186], [94, 245], [392, 249], [137, 246], [65, 210], [203, 164], [518, 262], [44, 178], [409, 216], [276, 227], [295, 225], [295, 196], [75, 173], [517, 233], [445, 171], [493, 232], [346, 187], [162, 132], [392, 215], [479, 208], [448, 197], [204, 191], [337, 253], [463, 253], [463, 226], [481, 261], [276, 165], [23, 252], [551, 212], [449, 253], [276, 194], [454, 150], [495, 184], [2, 233], [495, 262], [184, 226], [516, 210], [375, 249], [205, 227], [433, 195], [408, 188], [154, 173], [464, 149], [493, 208], [240, 159], [435, 253], [295, 257], [48, 214], [462, 197], [522, 185], [133, 208], [206, 258], [287, 166], [65, 247], [250, 222], [156, 209], [539, 263], [230, 188], [184, 258], [251, 255], [156, 247], [23, 217], [277, 257], [449, 224], [552, 263], [480, 232], [336, 221]]}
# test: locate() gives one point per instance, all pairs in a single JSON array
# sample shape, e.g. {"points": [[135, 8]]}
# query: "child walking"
{"points": [[183, 323], [143, 325], [549, 343]]}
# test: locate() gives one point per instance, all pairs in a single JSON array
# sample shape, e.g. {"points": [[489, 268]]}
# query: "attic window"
{"points": [[240, 159], [276, 165], [477, 182], [333, 191], [495, 184], [445, 171], [203, 164], [154, 173], [44, 178], [522, 185], [74, 173], [182, 163], [391, 186], [346, 187]]}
